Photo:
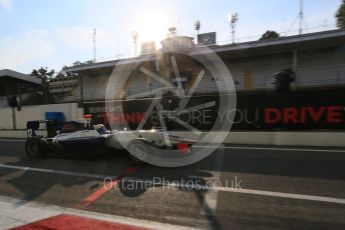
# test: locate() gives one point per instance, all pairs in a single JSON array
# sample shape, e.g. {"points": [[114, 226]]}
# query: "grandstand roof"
{"points": [[254, 48], [318, 40], [7, 73]]}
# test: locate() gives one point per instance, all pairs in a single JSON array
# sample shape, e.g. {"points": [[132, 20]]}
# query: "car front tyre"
{"points": [[33, 148]]}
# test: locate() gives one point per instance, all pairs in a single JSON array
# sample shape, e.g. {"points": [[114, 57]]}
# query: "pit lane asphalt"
{"points": [[68, 181]]}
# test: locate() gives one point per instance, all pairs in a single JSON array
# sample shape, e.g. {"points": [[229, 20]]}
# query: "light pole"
{"points": [[197, 26], [300, 15], [94, 45], [233, 19], [135, 36]]}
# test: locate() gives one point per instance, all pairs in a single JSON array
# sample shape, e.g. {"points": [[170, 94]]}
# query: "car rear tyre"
{"points": [[33, 148], [137, 151]]}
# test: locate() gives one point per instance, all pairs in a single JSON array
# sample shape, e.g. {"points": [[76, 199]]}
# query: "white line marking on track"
{"points": [[284, 195], [12, 140], [275, 148], [59, 172], [196, 177], [189, 186], [245, 191]]}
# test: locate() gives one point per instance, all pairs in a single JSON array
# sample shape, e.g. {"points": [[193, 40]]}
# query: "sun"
{"points": [[152, 26]]}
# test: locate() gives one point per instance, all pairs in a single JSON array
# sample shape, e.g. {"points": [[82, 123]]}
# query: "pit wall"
{"points": [[72, 112], [35, 112], [317, 139]]}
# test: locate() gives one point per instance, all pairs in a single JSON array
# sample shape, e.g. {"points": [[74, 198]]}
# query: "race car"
{"points": [[83, 138]]}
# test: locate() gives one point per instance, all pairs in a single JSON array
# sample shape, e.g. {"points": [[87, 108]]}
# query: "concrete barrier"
{"points": [[336, 139], [71, 111], [18, 134], [330, 139]]}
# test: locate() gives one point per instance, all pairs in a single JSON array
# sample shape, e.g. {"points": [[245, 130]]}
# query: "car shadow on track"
{"points": [[57, 188], [30, 179]]}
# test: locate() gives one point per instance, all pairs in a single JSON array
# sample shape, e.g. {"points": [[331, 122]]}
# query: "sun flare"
{"points": [[152, 26]]}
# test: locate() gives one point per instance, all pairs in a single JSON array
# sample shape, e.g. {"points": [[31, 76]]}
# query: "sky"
{"points": [[41, 33]]}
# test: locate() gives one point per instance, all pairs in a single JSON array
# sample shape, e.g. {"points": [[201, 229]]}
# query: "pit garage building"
{"points": [[318, 59]]}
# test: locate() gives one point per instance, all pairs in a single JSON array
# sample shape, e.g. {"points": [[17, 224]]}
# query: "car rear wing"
{"points": [[33, 126]]}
